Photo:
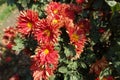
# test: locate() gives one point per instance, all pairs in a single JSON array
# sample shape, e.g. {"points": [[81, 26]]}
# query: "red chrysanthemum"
{"points": [[47, 54], [45, 62], [8, 37], [9, 33], [84, 24], [46, 33], [68, 23], [67, 11], [27, 21], [77, 38], [64, 10], [53, 8], [55, 20]]}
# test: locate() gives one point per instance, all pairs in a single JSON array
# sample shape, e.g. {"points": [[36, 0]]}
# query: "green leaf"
{"points": [[105, 72], [83, 65], [52, 77], [111, 2], [63, 69], [73, 65], [73, 75], [115, 8], [69, 50], [67, 77], [24, 2], [19, 44]]}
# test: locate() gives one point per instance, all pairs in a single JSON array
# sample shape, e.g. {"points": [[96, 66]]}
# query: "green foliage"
{"points": [[63, 69], [19, 44], [105, 72], [102, 41], [69, 50]]}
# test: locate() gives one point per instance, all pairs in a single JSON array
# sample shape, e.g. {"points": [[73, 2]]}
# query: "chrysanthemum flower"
{"points": [[67, 11], [47, 54], [77, 38], [55, 20], [27, 21], [10, 33], [69, 24], [84, 24], [45, 62], [53, 8], [46, 33], [64, 10], [8, 37]]}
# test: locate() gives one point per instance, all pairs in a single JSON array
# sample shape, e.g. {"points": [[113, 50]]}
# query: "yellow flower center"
{"points": [[47, 32], [55, 11], [55, 21], [46, 51], [75, 37], [29, 25]]}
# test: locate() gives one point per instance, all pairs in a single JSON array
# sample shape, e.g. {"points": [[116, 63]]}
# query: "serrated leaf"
{"points": [[105, 72], [69, 50], [19, 44], [63, 69], [73, 65], [73, 75]]}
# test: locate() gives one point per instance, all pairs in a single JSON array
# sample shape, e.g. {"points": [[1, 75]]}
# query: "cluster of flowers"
{"points": [[46, 31]]}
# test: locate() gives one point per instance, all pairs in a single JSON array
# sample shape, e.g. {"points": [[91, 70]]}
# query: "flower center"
{"points": [[55, 21], [75, 37], [55, 11], [46, 51], [47, 32], [29, 25]]}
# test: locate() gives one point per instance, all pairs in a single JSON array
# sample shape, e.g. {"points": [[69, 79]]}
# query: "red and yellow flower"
{"points": [[27, 21], [67, 11], [55, 20], [77, 38], [45, 62], [53, 8], [46, 33], [64, 10]]}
